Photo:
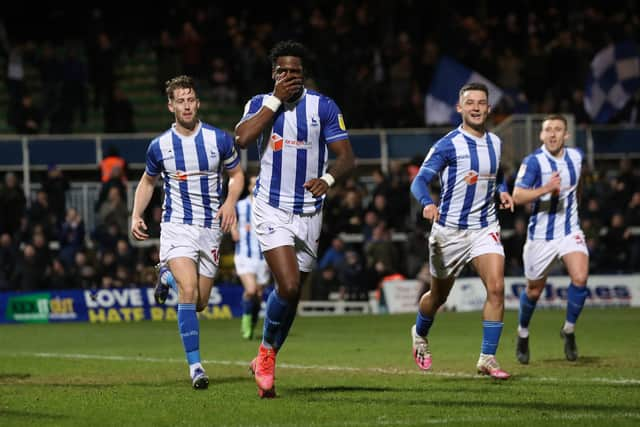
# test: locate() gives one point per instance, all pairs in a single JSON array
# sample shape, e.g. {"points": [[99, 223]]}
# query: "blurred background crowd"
{"points": [[375, 58]]}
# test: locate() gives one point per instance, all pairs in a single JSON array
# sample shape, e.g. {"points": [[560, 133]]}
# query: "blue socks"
{"points": [[189, 328], [491, 331], [282, 334], [423, 324], [527, 307], [575, 301], [275, 315], [247, 305]]}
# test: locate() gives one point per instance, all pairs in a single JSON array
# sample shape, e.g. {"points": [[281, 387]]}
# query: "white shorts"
{"points": [[259, 267], [191, 241], [275, 227], [539, 255], [451, 249]]}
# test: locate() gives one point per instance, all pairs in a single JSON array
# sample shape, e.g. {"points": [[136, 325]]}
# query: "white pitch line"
{"points": [[385, 371]]}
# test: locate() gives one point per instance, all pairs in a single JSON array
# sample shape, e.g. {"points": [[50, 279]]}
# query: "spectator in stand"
{"points": [[8, 258], [616, 245], [351, 212], [334, 255], [12, 204], [113, 211], [40, 213], [113, 161], [71, 237], [381, 254], [83, 272], [56, 185], [113, 173], [28, 117], [59, 277], [29, 274]]}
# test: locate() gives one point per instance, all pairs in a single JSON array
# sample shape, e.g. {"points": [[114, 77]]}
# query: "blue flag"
{"points": [[450, 76], [613, 79]]}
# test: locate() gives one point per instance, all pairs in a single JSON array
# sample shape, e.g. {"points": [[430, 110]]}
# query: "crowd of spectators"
{"points": [[372, 230], [376, 59]]}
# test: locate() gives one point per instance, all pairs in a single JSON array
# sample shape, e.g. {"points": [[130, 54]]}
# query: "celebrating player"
{"points": [[548, 179], [465, 228], [293, 127], [190, 157]]}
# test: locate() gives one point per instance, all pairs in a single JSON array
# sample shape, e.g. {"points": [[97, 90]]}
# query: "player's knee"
{"points": [[534, 293], [289, 291], [187, 294], [200, 305], [495, 293], [579, 279]]}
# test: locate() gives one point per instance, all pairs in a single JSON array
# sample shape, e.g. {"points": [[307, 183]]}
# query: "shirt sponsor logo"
{"points": [[276, 142]]}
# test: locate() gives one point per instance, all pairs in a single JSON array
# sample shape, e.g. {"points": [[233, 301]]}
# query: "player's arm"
{"points": [[506, 201], [143, 194], [433, 163], [522, 195], [250, 128], [227, 212], [341, 167]]}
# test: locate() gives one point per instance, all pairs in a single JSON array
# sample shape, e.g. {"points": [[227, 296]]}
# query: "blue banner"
{"points": [[110, 305]]}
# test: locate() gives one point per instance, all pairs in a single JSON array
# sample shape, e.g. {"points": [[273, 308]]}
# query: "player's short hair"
{"points": [[289, 48], [474, 86], [179, 82], [560, 117]]}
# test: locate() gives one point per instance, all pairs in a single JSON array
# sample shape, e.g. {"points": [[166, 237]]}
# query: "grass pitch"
{"points": [[333, 371]]}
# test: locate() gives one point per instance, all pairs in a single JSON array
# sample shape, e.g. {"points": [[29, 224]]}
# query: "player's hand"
{"points": [[227, 216], [431, 213], [506, 201], [316, 186], [286, 86], [139, 229], [553, 186]]}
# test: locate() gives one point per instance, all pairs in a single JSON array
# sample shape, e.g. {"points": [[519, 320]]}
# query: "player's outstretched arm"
{"points": [[143, 194]]}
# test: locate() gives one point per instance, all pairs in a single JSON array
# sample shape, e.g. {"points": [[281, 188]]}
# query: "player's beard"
{"points": [[296, 96], [191, 124]]}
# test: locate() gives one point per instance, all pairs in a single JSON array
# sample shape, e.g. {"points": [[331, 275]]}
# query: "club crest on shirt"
{"points": [[314, 121], [276, 142], [471, 178]]}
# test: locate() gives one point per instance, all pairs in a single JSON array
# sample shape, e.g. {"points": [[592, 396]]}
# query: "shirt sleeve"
{"points": [[529, 173], [333, 126], [154, 159], [228, 150], [434, 162]]}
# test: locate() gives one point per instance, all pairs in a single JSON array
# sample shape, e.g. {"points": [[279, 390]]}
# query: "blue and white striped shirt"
{"points": [[247, 244], [468, 169], [552, 216], [191, 168], [296, 150]]}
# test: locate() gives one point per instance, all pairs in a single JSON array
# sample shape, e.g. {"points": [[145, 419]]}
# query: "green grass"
{"points": [[333, 371]]}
